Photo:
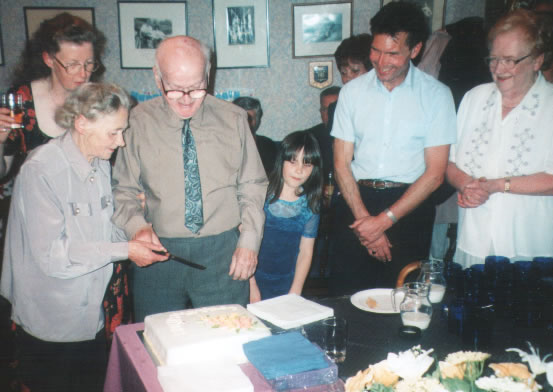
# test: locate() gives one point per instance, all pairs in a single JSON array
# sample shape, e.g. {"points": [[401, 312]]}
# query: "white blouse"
{"points": [[515, 226]]}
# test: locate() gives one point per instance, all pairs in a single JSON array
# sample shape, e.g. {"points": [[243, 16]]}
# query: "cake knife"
{"points": [[181, 260]]}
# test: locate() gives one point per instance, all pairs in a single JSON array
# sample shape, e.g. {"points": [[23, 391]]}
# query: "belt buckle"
{"points": [[379, 185]]}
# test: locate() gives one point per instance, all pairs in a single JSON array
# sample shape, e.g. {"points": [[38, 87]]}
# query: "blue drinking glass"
{"points": [[545, 265], [494, 264]]}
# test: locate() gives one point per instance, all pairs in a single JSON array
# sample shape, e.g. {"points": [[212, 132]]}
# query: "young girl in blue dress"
{"points": [[291, 218]]}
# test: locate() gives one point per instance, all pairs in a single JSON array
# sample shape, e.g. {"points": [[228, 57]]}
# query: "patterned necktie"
{"points": [[194, 218]]}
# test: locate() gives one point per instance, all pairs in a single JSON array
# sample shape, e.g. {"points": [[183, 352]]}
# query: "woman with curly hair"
{"points": [[64, 53]]}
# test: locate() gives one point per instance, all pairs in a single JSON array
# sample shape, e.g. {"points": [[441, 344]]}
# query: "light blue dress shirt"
{"points": [[59, 249], [391, 129]]}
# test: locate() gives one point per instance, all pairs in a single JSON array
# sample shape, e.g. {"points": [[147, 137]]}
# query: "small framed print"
{"points": [[241, 32], [142, 27], [34, 16], [320, 74], [434, 10], [318, 28], [1, 49]]}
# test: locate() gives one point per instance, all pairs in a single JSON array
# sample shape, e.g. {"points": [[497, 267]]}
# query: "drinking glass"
{"points": [[545, 265], [335, 339], [478, 324], [14, 102]]}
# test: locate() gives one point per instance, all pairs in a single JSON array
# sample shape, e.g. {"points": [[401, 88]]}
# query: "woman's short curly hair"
{"points": [[51, 33], [532, 26], [92, 100]]}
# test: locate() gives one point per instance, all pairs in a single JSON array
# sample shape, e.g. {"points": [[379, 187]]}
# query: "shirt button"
{"points": [[91, 179], [77, 210]]}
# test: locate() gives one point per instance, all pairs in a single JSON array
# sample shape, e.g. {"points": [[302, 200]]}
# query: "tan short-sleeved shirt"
{"points": [[232, 177]]}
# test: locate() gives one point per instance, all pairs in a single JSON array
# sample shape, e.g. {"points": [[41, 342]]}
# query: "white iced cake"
{"points": [[202, 335]]}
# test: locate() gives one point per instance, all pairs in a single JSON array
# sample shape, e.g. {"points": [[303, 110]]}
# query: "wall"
{"points": [[289, 103]]}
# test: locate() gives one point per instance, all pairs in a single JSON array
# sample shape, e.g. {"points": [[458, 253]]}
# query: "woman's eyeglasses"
{"points": [[507, 62], [74, 68]]}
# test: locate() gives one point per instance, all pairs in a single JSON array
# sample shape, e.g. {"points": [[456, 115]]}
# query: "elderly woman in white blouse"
{"points": [[61, 244], [502, 165]]}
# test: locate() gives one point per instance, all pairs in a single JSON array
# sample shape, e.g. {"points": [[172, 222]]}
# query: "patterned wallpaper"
{"points": [[289, 103]]}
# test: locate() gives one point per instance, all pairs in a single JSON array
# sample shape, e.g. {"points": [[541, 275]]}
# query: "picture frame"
{"points": [[434, 10], [318, 28], [241, 33], [320, 74], [143, 25], [34, 16], [1, 49]]}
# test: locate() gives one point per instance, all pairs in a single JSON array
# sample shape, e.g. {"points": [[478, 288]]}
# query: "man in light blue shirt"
{"points": [[398, 123]]}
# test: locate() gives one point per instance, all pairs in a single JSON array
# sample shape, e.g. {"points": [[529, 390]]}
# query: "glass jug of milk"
{"points": [[415, 308], [432, 273]]}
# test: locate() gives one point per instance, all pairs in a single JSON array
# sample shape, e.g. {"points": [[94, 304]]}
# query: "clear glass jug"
{"points": [[432, 273], [415, 308]]}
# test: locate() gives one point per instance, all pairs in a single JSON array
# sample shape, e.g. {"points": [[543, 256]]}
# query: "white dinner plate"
{"points": [[383, 298]]}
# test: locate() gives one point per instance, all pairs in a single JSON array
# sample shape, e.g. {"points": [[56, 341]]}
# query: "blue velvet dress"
{"points": [[285, 223]]}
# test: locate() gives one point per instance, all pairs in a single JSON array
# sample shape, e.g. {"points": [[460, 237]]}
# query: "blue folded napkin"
{"points": [[280, 355]]}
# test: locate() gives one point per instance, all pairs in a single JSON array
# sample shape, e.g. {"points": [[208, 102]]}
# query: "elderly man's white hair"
{"points": [[204, 49]]}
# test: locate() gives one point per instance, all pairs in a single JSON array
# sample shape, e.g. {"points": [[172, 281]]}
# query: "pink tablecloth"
{"points": [[130, 367]]}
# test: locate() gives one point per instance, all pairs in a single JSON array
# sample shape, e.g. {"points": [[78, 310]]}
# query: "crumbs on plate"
{"points": [[371, 303]]}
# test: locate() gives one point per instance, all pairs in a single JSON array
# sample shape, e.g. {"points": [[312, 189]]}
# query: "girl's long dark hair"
{"points": [[289, 149]]}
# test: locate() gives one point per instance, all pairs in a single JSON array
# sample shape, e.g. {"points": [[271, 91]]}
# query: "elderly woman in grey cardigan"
{"points": [[61, 244]]}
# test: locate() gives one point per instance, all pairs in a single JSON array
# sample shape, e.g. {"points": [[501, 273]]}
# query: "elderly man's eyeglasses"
{"points": [[176, 94], [507, 62], [74, 68]]}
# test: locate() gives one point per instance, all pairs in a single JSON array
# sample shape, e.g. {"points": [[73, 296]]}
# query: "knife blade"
{"points": [[181, 260]]}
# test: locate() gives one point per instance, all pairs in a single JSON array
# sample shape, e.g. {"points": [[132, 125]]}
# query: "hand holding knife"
{"points": [[181, 260]]}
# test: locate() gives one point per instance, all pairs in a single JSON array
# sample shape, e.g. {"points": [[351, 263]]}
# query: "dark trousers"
{"points": [[170, 285], [61, 367], [352, 268]]}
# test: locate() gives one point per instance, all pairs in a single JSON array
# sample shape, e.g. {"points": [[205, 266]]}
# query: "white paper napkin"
{"points": [[290, 311]]}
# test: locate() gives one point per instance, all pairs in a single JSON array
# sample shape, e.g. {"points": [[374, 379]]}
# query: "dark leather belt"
{"points": [[381, 184]]}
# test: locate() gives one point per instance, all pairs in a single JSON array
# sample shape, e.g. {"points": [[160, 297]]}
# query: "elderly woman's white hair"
{"points": [[534, 30], [90, 101]]}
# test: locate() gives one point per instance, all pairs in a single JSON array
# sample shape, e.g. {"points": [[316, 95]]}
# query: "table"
{"points": [[371, 337], [130, 367]]}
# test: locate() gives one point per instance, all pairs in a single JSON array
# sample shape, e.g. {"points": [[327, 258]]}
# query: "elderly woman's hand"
{"points": [[141, 253], [473, 194]]}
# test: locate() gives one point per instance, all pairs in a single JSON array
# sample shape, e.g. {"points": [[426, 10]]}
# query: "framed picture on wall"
{"points": [[318, 28], [34, 16], [241, 31], [434, 10], [1, 48], [142, 27]]}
